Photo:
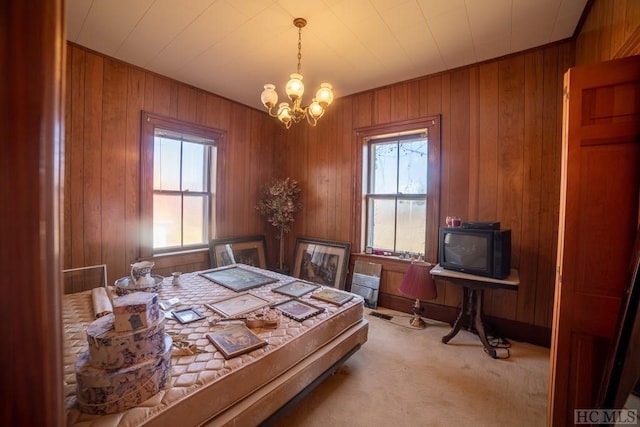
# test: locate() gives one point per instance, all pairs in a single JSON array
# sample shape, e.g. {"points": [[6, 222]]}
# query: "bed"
{"points": [[207, 389]]}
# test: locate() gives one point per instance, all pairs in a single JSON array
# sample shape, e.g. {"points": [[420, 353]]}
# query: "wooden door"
{"points": [[598, 219], [32, 123]]}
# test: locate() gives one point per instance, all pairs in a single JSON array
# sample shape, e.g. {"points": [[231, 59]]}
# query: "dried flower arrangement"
{"points": [[278, 203]]}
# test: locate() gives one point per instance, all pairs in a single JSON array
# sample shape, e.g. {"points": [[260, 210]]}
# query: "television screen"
{"points": [[466, 250]]}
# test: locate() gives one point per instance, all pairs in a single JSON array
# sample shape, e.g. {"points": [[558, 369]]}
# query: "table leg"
{"points": [[479, 325], [460, 319]]}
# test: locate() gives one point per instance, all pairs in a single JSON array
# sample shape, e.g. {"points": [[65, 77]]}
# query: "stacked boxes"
{"points": [[129, 356]]}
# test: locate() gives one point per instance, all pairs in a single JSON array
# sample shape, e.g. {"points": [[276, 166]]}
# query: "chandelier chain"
{"points": [[299, 47]]}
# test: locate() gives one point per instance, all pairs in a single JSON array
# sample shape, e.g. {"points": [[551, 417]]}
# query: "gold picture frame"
{"points": [[332, 296], [235, 340]]}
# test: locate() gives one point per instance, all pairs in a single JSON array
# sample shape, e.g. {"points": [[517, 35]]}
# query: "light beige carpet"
{"points": [[407, 377]]}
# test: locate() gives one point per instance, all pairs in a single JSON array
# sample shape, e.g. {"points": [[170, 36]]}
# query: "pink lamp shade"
{"points": [[418, 283]]}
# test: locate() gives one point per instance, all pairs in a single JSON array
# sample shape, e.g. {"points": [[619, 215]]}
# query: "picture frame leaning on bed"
{"points": [[249, 250], [324, 262]]}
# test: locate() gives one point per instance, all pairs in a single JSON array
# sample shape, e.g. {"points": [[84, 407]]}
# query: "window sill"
{"points": [[178, 253], [387, 257]]}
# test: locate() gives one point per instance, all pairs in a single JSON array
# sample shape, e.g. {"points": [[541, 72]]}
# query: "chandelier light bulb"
{"points": [[325, 94], [284, 113], [295, 88], [315, 109], [269, 96]]}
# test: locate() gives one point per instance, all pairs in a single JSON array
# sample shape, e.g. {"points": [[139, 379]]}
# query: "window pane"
{"points": [[193, 166], [384, 168], [166, 164], [194, 220], [166, 221], [382, 223], [413, 167], [411, 228]]}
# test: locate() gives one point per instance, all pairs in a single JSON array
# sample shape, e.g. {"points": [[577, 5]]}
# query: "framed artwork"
{"points": [[237, 304], [333, 296], [236, 278], [321, 261], [297, 310], [296, 289], [248, 250], [235, 340], [187, 315]]}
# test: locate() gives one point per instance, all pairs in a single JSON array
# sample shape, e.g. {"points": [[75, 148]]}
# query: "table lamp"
{"points": [[418, 283]]}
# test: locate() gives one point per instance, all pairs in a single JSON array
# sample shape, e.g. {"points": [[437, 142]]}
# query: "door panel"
{"points": [[598, 218]]}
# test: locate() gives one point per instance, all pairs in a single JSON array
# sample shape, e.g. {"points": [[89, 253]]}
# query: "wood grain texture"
{"points": [[104, 107], [600, 180], [32, 66], [611, 30]]}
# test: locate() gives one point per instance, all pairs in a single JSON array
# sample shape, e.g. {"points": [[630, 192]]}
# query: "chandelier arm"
{"points": [[296, 105], [271, 113], [311, 119]]}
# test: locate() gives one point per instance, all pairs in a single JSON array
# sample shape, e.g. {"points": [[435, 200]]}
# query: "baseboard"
{"points": [[512, 329]]}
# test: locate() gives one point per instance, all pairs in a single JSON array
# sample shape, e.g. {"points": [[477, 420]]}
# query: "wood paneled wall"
{"points": [[611, 30], [104, 100], [501, 124]]}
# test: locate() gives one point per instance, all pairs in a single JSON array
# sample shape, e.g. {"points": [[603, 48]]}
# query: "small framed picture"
{"points": [[236, 278], [236, 305], [332, 295], [187, 315], [235, 340], [296, 289], [297, 310]]}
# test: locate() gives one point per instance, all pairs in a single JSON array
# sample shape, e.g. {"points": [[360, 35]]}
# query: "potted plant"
{"points": [[278, 203]]}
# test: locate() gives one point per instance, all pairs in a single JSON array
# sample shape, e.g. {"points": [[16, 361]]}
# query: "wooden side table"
{"points": [[472, 296]]}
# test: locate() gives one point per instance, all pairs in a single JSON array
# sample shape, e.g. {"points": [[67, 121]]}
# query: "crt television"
{"points": [[483, 252]]}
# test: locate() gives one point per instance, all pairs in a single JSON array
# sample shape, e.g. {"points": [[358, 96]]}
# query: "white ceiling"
{"points": [[233, 47]]}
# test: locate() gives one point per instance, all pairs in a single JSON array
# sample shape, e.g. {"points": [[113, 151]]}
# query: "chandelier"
{"points": [[294, 113]]}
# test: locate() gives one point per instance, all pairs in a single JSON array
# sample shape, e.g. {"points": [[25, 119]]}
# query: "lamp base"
{"points": [[416, 321]]}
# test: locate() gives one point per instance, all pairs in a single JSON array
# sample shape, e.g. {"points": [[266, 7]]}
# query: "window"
{"points": [[181, 189], [397, 193], [178, 185], [400, 187]]}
